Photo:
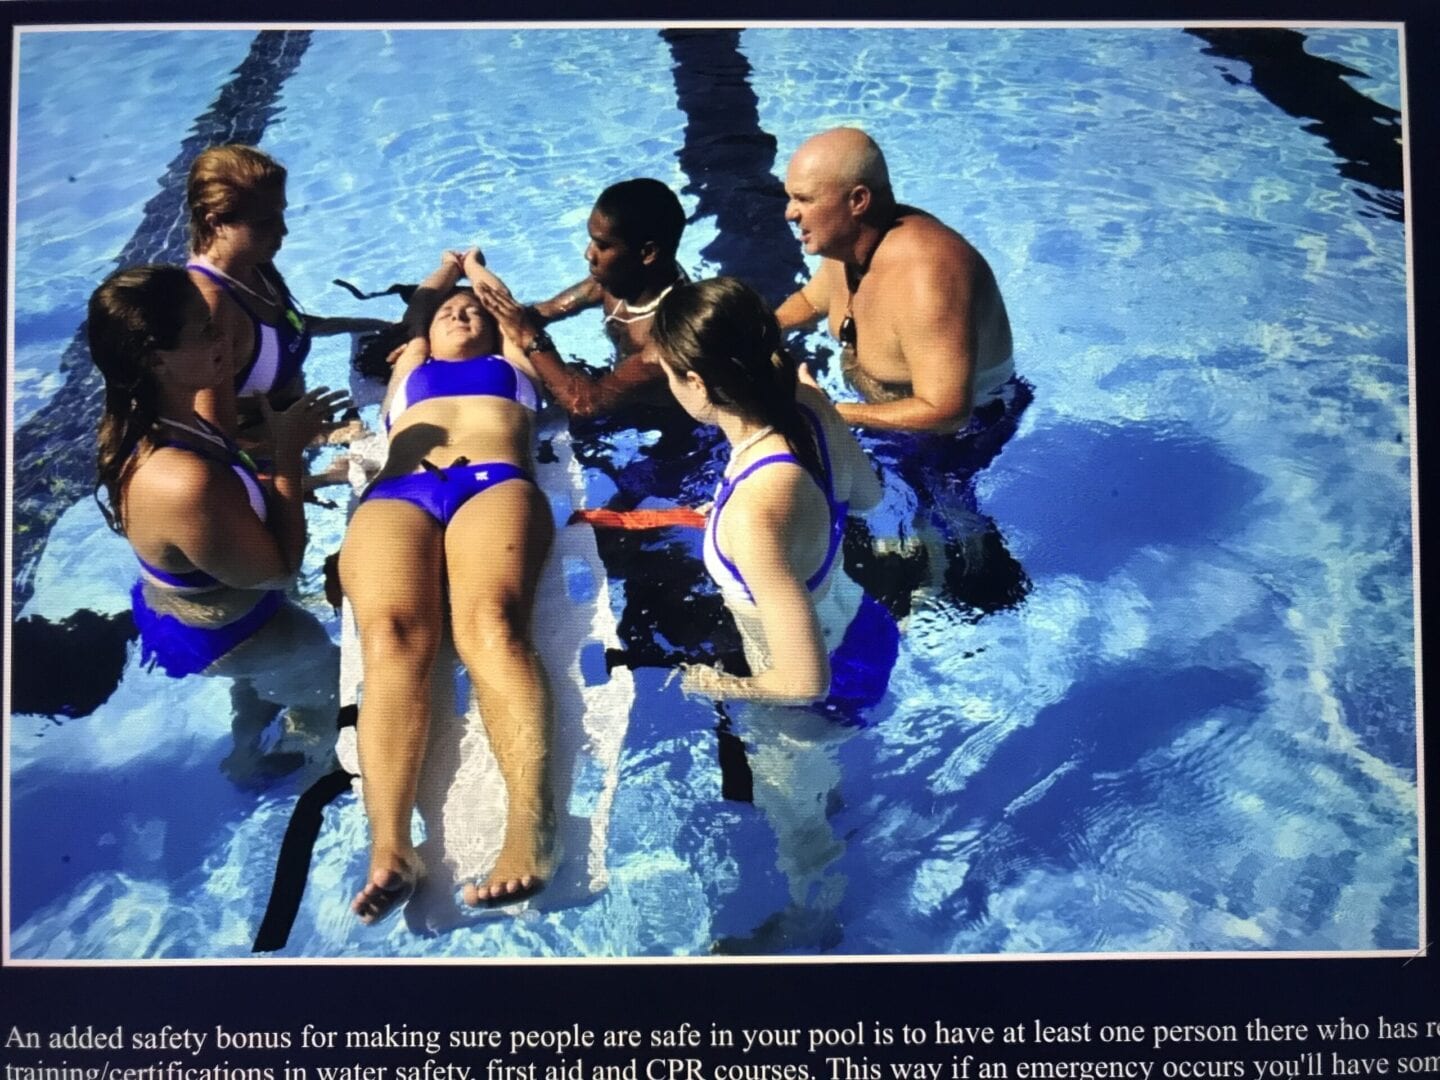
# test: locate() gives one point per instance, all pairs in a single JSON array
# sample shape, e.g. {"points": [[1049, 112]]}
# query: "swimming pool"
{"points": [[1190, 728]]}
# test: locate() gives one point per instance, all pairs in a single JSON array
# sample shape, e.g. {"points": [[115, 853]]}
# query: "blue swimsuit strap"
{"points": [[282, 327], [230, 291], [819, 430], [837, 517], [839, 509], [255, 321]]}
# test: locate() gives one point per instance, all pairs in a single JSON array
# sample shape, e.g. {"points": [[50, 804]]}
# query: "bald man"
{"points": [[922, 326]]}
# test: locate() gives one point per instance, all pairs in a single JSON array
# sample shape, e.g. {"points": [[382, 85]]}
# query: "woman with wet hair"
{"points": [[453, 532], [773, 535], [215, 543], [236, 198], [820, 650]]}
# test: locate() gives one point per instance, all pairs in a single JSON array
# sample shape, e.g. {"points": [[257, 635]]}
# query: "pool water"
{"points": [[1184, 721]]}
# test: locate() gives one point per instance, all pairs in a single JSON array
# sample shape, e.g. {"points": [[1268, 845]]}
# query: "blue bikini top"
{"points": [[715, 560], [478, 376], [280, 348]]}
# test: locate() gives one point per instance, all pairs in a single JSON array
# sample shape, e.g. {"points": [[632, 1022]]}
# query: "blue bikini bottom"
{"points": [[860, 665], [180, 649], [442, 492]]}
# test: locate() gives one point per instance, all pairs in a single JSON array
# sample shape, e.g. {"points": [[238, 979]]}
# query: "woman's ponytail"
{"points": [[723, 330], [133, 313]]}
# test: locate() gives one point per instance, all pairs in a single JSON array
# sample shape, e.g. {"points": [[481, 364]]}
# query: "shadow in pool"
{"points": [[1363, 133], [1082, 498], [1105, 727], [70, 667], [672, 610]]}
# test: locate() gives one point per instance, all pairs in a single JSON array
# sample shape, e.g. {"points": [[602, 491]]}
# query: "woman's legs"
{"points": [[289, 664], [391, 566], [495, 547]]}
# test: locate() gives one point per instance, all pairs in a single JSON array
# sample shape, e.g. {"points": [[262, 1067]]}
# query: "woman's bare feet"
{"points": [[526, 862], [392, 881]]}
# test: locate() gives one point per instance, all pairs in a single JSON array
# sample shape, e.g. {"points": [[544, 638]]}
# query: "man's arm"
{"points": [[578, 297], [931, 308], [797, 312], [581, 394], [808, 304], [569, 385]]}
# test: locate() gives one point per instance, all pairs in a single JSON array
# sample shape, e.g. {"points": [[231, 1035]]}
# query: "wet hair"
{"points": [[372, 358], [231, 182], [133, 313], [723, 330], [644, 209]]}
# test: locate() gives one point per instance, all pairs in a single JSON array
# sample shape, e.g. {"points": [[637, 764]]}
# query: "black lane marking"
{"points": [[54, 449], [730, 161]]}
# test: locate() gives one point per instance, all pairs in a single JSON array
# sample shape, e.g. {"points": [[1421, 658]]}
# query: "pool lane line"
{"points": [[730, 161], [669, 614], [54, 449], [1362, 132]]}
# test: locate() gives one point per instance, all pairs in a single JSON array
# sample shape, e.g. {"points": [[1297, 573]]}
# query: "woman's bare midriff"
{"points": [[477, 428], [211, 610]]}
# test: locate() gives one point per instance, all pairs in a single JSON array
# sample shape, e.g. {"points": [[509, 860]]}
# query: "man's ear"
{"points": [[649, 252], [860, 200]]}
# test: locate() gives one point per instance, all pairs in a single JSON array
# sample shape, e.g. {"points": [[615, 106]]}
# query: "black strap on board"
{"points": [[292, 866]]}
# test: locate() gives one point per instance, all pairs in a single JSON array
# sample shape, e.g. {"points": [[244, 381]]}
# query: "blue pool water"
{"points": [[1187, 726]]}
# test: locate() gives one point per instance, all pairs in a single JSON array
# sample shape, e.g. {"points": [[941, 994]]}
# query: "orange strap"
{"points": [[682, 516]]}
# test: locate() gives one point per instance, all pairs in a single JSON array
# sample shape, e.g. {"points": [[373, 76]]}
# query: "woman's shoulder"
{"points": [[816, 401], [412, 354], [772, 497], [171, 477], [210, 288], [229, 316], [852, 474]]}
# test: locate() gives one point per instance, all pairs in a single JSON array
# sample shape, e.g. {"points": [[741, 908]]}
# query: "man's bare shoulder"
{"points": [[921, 240], [570, 301]]}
